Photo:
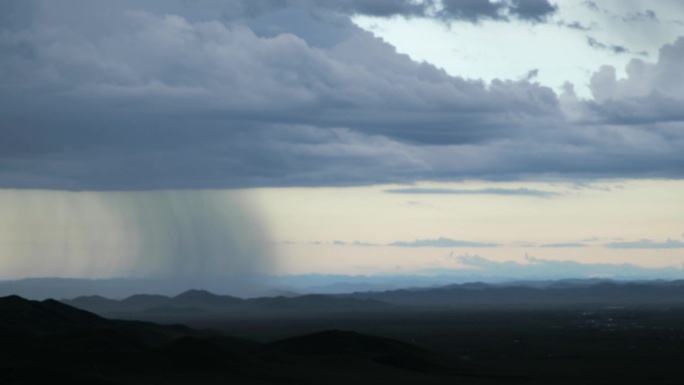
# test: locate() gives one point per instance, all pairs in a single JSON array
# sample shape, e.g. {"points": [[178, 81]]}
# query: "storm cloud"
{"points": [[478, 10], [175, 94], [522, 192]]}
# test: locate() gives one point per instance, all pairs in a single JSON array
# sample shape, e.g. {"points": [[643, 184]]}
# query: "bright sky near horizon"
{"points": [[189, 138]]}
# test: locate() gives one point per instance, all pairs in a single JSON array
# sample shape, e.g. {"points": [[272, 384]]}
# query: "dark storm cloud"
{"points": [[532, 10], [478, 10], [383, 8], [380, 8], [210, 94], [472, 10], [486, 191], [16, 13], [450, 10]]}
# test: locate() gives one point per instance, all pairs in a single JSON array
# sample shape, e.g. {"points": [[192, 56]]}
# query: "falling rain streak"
{"points": [[185, 235]]}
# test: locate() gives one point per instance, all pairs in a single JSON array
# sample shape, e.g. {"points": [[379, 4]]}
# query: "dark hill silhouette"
{"points": [[79, 347], [45, 316], [192, 354], [386, 358], [235, 344], [92, 340], [341, 342], [384, 351]]}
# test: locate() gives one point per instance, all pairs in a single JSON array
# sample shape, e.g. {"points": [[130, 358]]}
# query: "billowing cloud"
{"points": [[649, 93], [161, 95]]}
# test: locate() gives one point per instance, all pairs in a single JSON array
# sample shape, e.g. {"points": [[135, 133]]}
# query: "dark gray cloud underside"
{"points": [[211, 94], [472, 10], [532, 10], [486, 191], [451, 10], [478, 10], [379, 8]]}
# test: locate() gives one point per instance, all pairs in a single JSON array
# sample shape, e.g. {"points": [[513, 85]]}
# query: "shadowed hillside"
{"points": [[565, 332], [48, 340]]}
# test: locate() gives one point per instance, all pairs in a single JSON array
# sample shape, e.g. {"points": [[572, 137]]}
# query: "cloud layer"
{"points": [[535, 268], [522, 192], [167, 94], [647, 244]]}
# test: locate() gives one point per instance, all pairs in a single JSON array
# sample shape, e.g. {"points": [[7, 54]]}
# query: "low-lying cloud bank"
{"points": [[544, 269], [442, 242]]}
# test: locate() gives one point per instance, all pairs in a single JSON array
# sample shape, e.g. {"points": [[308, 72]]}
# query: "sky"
{"points": [[207, 138]]}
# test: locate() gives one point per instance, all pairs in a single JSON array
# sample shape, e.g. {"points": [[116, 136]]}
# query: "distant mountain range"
{"points": [[536, 293], [196, 304], [203, 303], [259, 286]]}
